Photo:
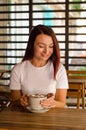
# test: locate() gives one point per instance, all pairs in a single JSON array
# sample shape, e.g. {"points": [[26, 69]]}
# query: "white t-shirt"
{"points": [[34, 80]]}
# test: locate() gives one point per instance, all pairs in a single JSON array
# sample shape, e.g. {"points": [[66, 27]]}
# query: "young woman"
{"points": [[40, 71]]}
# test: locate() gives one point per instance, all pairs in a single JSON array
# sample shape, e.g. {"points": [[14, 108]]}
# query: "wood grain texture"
{"points": [[77, 80], [54, 119]]}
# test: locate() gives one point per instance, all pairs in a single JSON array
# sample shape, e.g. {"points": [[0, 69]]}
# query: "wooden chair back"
{"points": [[80, 74], [75, 88]]}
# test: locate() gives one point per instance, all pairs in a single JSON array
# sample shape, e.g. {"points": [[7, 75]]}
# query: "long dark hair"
{"points": [[29, 53]]}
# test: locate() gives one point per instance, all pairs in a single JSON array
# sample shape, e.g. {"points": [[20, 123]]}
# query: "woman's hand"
{"points": [[50, 95], [49, 102], [24, 100]]}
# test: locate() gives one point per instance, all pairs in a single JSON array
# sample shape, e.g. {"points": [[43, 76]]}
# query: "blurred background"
{"points": [[66, 17]]}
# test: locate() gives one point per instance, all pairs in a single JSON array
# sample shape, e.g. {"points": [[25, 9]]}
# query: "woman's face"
{"points": [[43, 47]]}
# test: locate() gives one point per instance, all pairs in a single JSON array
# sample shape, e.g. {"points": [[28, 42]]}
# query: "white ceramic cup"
{"points": [[35, 100]]}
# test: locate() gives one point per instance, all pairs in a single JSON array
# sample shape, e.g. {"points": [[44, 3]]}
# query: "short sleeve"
{"points": [[15, 78], [61, 78]]}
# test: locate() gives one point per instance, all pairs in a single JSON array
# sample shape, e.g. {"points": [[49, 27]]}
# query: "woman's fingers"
{"points": [[50, 95], [24, 100], [48, 103]]}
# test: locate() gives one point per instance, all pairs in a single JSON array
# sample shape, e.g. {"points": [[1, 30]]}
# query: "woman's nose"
{"points": [[46, 49]]}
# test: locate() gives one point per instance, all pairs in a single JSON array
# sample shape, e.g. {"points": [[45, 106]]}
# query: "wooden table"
{"points": [[54, 119]]}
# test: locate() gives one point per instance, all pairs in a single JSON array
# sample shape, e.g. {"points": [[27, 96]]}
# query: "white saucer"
{"points": [[37, 111]]}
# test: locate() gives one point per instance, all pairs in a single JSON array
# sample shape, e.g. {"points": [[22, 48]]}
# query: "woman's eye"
{"points": [[51, 46], [41, 46]]}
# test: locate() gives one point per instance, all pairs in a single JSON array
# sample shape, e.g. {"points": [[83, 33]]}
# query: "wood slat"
{"points": [[77, 83]]}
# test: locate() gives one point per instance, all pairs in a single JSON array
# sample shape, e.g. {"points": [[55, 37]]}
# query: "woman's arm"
{"points": [[59, 100], [60, 97], [18, 99]]}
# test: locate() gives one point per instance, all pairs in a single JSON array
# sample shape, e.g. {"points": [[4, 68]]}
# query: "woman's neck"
{"points": [[37, 63]]}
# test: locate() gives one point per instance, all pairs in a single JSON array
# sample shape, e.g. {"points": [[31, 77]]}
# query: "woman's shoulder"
{"points": [[61, 77], [19, 66], [61, 69], [61, 66], [16, 66]]}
